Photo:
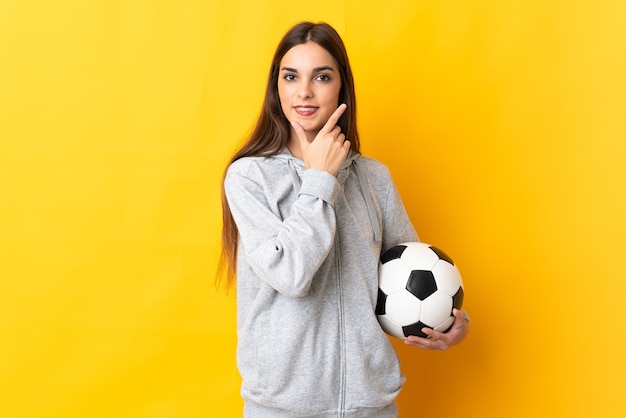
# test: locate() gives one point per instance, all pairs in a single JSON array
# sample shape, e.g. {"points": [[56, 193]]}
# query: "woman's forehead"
{"points": [[308, 56]]}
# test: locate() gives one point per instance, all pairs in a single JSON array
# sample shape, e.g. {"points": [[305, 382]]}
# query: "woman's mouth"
{"points": [[305, 110]]}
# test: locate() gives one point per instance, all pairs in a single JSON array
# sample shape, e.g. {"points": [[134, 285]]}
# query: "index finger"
{"points": [[334, 118]]}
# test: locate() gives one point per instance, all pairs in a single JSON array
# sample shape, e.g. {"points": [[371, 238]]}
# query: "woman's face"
{"points": [[308, 86]]}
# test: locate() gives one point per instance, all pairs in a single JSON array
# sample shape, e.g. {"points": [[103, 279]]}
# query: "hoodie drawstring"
{"points": [[295, 178], [368, 200]]}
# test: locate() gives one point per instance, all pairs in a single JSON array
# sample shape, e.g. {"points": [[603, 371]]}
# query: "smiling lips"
{"points": [[305, 110]]}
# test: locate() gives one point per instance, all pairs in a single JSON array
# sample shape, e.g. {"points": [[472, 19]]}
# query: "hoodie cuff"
{"points": [[320, 184], [466, 316]]}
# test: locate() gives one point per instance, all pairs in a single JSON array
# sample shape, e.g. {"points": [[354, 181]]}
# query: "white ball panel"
{"points": [[403, 308], [419, 256], [393, 276], [447, 277], [390, 327], [444, 325], [436, 308]]}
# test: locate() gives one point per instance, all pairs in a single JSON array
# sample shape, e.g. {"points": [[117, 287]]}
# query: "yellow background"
{"points": [[503, 123]]}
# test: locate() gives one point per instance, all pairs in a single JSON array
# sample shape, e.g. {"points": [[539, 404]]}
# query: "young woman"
{"points": [[306, 218]]}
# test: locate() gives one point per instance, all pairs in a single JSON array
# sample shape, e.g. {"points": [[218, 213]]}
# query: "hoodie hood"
{"points": [[350, 165]]}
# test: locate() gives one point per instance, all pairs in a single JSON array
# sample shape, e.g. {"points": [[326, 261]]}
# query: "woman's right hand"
{"points": [[330, 147]]}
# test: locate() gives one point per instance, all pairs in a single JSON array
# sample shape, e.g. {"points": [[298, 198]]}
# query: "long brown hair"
{"points": [[272, 129]]}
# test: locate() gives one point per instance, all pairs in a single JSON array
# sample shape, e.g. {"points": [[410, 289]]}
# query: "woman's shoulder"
{"points": [[243, 164], [374, 168], [248, 166]]}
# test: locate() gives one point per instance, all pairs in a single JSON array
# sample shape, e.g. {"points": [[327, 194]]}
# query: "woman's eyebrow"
{"points": [[324, 68], [315, 70]]}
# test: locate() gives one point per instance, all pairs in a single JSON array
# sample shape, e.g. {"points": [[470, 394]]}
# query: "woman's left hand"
{"points": [[438, 340]]}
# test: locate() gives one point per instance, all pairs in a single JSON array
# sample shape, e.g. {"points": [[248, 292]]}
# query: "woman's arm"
{"points": [[284, 253]]}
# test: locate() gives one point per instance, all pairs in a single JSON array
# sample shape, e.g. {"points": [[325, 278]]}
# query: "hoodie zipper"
{"points": [[342, 336], [297, 182]]}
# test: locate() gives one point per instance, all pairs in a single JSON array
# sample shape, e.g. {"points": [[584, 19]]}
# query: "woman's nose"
{"points": [[305, 90]]}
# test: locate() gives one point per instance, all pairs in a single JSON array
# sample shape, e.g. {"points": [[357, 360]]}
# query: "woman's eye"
{"points": [[322, 77], [289, 77]]}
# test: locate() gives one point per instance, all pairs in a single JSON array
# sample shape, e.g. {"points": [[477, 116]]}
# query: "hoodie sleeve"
{"points": [[287, 253]]}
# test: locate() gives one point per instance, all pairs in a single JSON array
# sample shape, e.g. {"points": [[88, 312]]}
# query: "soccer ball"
{"points": [[418, 286]]}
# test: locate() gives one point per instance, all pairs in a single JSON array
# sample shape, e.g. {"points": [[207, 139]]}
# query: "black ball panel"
{"points": [[415, 329], [381, 302], [457, 299], [421, 284], [392, 253], [442, 256]]}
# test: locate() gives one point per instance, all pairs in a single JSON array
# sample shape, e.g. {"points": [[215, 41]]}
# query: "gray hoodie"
{"points": [[309, 344]]}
